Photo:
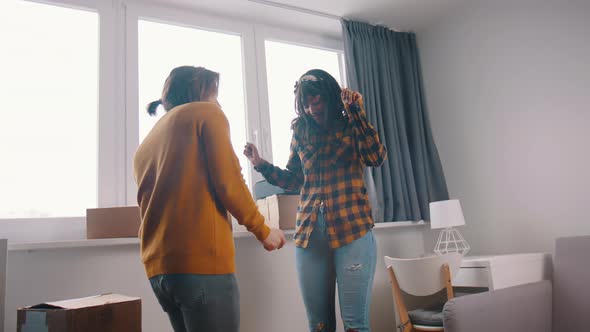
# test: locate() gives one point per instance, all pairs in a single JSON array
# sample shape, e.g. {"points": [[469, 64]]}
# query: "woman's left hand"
{"points": [[350, 97]]}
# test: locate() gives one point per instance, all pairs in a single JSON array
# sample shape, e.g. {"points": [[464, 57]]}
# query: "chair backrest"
{"points": [[422, 276], [3, 248]]}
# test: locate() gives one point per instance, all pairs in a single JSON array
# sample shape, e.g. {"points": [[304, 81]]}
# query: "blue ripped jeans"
{"points": [[351, 267], [199, 303]]}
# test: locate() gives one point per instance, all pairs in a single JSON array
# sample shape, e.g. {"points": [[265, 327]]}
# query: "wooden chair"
{"points": [[421, 277]]}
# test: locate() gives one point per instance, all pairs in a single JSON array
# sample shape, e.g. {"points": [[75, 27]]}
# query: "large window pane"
{"points": [[285, 63], [163, 47], [48, 117]]}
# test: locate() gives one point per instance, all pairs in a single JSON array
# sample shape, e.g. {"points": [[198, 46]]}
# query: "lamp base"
{"points": [[450, 240]]}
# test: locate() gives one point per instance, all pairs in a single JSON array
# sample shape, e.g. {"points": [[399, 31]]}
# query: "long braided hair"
{"points": [[316, 82]]}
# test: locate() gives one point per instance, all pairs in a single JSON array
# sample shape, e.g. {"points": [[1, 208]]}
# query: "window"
{"points": [[63, 59], [285, 63], [159, 46], [48, 118]]}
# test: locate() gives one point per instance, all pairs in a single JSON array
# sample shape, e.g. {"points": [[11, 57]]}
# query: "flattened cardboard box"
{"points": [[279, 211], [102, 313], [263, 189], [114, 222]]}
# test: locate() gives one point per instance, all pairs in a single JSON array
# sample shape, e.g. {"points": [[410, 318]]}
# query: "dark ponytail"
{"points": [[185, 84], [152, 107]]}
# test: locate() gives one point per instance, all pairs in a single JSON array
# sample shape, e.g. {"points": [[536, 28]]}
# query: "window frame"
{"points": [[103, 148], [187, 19], [266, 33], [117, 119]]}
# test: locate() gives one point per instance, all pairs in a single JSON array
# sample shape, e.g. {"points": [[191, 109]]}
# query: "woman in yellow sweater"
{"points": [[188, 179]]}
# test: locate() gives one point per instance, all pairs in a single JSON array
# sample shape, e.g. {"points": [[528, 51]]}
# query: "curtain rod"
{"points": [[295, 8]]}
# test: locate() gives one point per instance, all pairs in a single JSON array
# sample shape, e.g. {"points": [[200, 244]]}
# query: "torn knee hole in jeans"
{"points": [[354, 267]]}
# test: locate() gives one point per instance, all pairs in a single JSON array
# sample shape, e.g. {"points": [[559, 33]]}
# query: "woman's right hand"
{"points": [[251, 152], [275, 240]]}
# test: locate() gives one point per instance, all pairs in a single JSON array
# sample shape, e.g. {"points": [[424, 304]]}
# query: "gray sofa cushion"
{"points": [[523, 308], [429, 317], [571, 284]]}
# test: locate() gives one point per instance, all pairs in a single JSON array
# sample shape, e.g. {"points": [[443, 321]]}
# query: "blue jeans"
{"points": [[199, 303], [351, 267]]}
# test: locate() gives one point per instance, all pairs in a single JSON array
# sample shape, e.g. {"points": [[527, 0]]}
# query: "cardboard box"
{"points": [[279, 211], [115, 222], [102, 313]]}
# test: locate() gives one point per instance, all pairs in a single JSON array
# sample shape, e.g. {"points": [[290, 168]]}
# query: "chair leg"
{"points": [[407, 327]]}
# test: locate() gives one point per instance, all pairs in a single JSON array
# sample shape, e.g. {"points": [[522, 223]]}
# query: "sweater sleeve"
{"points": [[226, 175]]}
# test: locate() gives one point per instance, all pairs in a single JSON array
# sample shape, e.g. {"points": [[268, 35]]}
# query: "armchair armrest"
{"points": [[515, 309]]}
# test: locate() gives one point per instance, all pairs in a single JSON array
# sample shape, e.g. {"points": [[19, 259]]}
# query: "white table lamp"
{"points": [[446, 215]]}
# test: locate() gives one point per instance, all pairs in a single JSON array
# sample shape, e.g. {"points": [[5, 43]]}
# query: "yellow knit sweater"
{"points": [[188, 177]]}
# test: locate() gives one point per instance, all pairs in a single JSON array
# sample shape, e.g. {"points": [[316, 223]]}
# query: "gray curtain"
{"points": [[384, 66]]}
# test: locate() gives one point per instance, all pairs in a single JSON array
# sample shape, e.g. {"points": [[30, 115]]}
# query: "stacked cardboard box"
{"points": [[108, 312], [114, 222], [279, 211]]}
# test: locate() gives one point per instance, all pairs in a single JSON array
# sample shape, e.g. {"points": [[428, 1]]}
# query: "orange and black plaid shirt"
{"points": [[327, 168]]}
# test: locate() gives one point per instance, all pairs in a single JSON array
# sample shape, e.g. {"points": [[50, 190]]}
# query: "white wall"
{"points": [[270, 299], [269, 291], [507, 84]]}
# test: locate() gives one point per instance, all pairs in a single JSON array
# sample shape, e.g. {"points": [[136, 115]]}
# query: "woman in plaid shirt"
{"points": [[332, 143]]}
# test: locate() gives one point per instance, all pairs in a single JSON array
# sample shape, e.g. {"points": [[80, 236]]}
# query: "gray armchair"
{"points": [[561, 306], [3, 248]]}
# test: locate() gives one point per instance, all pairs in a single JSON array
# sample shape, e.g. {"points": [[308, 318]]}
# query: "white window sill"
{"points": [[84, 243], [397, 224]]}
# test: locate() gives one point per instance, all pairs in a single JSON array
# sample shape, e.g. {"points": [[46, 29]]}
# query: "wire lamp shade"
{"points": [[446, 215]]}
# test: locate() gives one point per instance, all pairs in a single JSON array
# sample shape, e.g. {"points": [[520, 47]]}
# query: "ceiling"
{"points": [[402, 15], [396, 14]]}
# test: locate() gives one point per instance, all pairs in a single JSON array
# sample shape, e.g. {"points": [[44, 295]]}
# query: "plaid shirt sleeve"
{"points": [[372, 152], [290, 178]]}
